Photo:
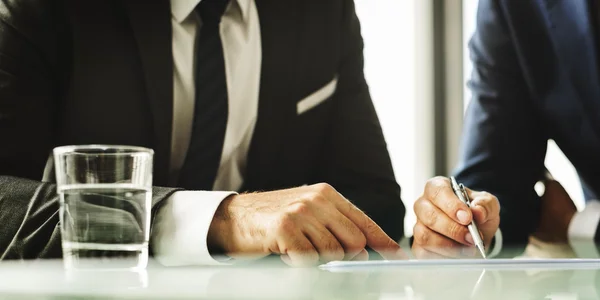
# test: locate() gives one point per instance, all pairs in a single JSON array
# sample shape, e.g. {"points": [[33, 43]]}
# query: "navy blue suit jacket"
{"points": [[535, 78]]}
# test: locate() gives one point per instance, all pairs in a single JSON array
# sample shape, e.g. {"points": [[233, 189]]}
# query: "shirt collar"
{"points": [[181, 9]]}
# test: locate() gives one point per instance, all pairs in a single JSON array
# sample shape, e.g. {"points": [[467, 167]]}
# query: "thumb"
{"points": [[485, 207], [486, 223], [480, 214]]}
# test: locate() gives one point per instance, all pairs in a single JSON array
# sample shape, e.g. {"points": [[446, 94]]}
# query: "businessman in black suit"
{"points": [[233, 96]]}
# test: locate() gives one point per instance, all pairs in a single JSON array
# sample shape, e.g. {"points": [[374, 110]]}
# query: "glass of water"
{"points": [[105, 203]]}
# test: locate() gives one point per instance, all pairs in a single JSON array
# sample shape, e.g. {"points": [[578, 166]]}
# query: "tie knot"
{"points": [[211, 11]]}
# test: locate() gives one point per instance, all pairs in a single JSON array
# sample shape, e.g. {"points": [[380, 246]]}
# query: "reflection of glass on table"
{"points": [[105, 198], [112, 280]]}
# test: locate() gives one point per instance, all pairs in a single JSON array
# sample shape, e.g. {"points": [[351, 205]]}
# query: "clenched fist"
{"points": [[442, 219]]}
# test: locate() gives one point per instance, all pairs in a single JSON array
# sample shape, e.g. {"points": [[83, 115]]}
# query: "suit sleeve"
{"points": [[356, 161], [30, 221], [31, 60], [28, 209], [504, 144]]}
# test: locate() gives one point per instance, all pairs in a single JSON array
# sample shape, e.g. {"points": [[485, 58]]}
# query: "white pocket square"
{"points": [[317, 97]]}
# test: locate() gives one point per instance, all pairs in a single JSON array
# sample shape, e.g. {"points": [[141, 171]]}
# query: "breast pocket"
{"points": [[310, 128], [316, 98]]}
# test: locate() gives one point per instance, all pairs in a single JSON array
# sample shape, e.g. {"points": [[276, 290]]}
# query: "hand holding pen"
{"points": [[461, 193], [443, 221]]}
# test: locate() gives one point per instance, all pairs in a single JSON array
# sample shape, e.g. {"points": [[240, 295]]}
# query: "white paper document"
{"points": [[465, 263]]}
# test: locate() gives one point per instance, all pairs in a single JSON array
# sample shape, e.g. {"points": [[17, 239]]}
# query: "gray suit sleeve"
{"points": [[30, 220]]}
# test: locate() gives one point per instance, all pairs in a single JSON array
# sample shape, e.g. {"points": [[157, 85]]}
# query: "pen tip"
{"points": [[482, 251]]}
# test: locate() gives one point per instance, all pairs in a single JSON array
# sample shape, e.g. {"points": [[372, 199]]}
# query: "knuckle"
{"points": [[319, 199], [437, 182], [418, 204], [435, 186], [302, 247], [489, 202], [488, 196], [421, 234], [495, 202], [429, 217], [372, 228], [300, 208], [324, 188], [287, 224], [456, 231]]}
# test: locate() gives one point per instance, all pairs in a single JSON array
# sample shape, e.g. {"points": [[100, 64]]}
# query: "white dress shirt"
{"points": [[581, 233], [583, 229], [181, 226]]}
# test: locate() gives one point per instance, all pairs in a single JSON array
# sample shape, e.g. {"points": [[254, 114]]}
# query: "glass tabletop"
{"points": [[270, 279]]}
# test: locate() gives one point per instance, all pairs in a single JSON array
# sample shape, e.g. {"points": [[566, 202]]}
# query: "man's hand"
{"points": [[442, 219], [557, 211], [306, 225]]}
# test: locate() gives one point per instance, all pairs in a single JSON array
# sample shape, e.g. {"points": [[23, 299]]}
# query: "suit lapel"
{"points": [[279, 25], [151, 25], [572, 34]]}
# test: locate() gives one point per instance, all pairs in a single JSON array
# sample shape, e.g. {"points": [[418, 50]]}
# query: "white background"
{"points": [[388, 28]]}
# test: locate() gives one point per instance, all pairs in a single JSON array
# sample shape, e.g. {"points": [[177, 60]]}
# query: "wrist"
{"points": [[567, 223], [219, 233]]}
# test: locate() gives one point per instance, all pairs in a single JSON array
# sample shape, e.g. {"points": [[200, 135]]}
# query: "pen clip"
{"points": [[459, 191], [463, 190]]}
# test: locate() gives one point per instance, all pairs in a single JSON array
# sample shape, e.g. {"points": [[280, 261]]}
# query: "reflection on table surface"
{"points": [[270, 279]]}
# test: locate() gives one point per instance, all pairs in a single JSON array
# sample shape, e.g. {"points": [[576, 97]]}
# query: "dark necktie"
{"points": [[210, 114]]}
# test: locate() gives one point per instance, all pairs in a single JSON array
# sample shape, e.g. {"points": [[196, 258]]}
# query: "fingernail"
{"points": [[463, 216], [469, 239]]}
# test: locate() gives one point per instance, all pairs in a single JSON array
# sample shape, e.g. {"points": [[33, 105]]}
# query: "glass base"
{"points": [[105, 256]]}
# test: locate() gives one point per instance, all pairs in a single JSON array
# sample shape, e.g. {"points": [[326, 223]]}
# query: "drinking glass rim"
{"points": [[72, 150]]}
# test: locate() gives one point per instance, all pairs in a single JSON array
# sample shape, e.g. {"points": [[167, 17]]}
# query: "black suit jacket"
{"points": [[82, 72]]}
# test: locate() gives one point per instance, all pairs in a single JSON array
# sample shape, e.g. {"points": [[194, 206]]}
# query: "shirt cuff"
{"points": [[497, 244], [181, 225], [582, 230]]}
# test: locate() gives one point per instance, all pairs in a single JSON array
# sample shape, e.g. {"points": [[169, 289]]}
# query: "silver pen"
{"points": [[463, 196]]}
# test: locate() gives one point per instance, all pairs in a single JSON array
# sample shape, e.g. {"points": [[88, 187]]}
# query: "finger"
{"points": [[485, 207], [286, 259], [439, 191], [422, 253], [347, 233], [323, 241], [376, 238], [362, 255], [436, 220], [297, 250], [437, 243]]}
